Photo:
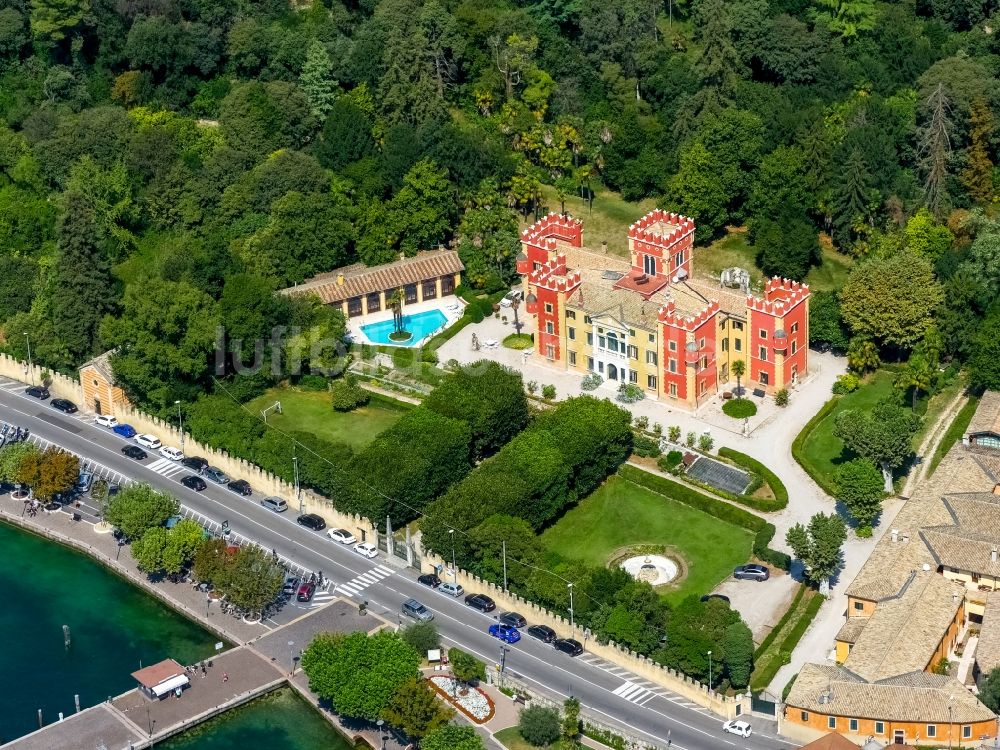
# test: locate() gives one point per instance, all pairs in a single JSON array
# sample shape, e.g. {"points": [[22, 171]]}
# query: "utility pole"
{"points": [[454, 570], [180, 418], [504, 543], [572, 624], [31, 373], [709, 670], [298, 492]]}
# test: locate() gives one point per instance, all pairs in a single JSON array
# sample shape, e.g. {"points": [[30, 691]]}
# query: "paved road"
{"points": [[609, 692]]}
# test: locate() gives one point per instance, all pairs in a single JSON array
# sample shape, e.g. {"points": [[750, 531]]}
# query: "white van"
{"points": [[451, 589]]}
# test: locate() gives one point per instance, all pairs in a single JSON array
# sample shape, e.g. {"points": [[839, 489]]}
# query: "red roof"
{"points": [[154, 674]]}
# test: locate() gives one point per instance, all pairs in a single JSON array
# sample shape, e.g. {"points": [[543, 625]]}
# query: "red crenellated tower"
{"points": [[689, 351], [778, 333]]}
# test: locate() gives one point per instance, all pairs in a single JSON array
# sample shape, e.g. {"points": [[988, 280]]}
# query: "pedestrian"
{"points": [[225, 676], [321, 578]]}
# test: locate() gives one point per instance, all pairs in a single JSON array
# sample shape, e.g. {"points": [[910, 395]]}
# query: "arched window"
{"points": [[613, 342]]}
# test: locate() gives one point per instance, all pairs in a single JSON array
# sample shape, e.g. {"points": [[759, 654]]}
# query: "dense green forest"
{"points": [[166, 164]]}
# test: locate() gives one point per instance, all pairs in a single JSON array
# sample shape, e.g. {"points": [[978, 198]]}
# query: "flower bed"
{"points": [[475, 703]]}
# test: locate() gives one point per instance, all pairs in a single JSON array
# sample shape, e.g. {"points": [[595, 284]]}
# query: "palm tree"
{"points": [[918, 375], [396, 303], [516, 303], [739, 370]]}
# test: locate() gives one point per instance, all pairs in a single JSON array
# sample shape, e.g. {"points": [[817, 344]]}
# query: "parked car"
{"points": [[366, 549], [195, 463], [240, 487], [37, 391], [64, 405], [291, 585], [481, 602], [134, 451], [742, 728], [148, 441], [451, 589], [106, 420], [505, 633], [124, 430], [416, 610], [514, 619], [342, 535], [194, 483], [171, 453], [274, 503], [311, 521], [429, 579], [216, 475], [510, 298], [720, 597], [306, 591], [85, 481], [751, 572], [543, 633], [568, 646]]}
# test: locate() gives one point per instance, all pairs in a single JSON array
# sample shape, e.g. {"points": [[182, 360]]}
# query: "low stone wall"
{"points": [[672, 680], [59, 385]]}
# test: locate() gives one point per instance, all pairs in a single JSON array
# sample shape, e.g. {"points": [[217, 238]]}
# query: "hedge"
{"points": [[825, 483], [763, 531], [784, 656], [769, 477]]}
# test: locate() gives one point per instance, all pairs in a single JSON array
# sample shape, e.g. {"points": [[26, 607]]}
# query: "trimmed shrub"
{"points": [[347, 395], [674, 433], [645, 447], [670, 461], [540, 725], [592, 381], [630, 393], [781, 397], [313, 383], [706, 442], [846, 383], [642, 422], [548, 392], [739, 408]]}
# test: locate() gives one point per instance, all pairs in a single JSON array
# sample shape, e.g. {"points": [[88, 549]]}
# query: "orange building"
{"points": [[647, 320], [100, 391]]}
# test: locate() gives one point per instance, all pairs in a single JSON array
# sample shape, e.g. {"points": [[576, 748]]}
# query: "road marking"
{"points": [[363, 580], [165, 467]]}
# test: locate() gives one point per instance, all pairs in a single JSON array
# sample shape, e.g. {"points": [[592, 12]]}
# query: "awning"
{"points": [[168, 685]]}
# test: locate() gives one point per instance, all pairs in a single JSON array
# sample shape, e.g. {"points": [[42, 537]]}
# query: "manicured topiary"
{"points": [[739, 408]]}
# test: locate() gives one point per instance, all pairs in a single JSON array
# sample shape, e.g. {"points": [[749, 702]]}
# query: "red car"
{"points": [[306, 591]]}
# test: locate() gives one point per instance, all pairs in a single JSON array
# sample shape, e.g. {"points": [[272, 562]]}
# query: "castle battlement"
{"points": [[780, 295], [661, 228], [668, 315], [549, 229]]}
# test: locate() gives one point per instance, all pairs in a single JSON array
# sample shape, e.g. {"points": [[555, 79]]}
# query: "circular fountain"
{"points": [[655, 570]]}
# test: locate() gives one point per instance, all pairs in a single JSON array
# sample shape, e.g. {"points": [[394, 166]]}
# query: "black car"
{"points": [[194, 483], [134, 451], [429, 579], [514, 619], [568, 646], [720, 597], [311, 521], [64, 405], [542, 632], [752, 572], [481, 602], [37, 391], [240, 487], [195, 463]]}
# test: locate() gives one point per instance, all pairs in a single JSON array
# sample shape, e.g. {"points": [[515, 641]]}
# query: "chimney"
{"points": [[993, 555], [894, 534], [340, 279], [996, 488], [604, 247]]}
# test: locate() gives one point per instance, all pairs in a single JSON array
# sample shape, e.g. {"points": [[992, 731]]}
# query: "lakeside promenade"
{"points": [[259, 664]]}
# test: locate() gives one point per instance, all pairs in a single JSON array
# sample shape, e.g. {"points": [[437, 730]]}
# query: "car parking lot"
{"points": [[760, 603]]}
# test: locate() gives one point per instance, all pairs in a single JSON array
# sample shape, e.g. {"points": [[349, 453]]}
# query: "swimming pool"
{"points": [[421, 325]]}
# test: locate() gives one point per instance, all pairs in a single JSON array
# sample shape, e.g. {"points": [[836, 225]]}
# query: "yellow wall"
{"points": [[843, 650], [727, 334]]}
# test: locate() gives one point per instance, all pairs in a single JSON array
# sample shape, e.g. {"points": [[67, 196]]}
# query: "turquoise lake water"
{"points": [[279, 721]]}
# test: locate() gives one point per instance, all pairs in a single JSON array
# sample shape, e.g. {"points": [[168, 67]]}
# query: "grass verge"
{"points": [[624, 513], [954, 433], [511, 739], [776, 650]]}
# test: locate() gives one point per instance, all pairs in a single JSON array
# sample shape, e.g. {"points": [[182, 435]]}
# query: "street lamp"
{"points": [[381, 732], [572, 625], [709, 670], [180, 417], [31, 373], [298, 493], [454, 570], [291, 658]]}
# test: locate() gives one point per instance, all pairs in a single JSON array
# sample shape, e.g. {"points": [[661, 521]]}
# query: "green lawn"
{"points": [[831, 274], [621, 513], [511, 739], [955, 431], [310, 411], [818, 450], [608, 221]]}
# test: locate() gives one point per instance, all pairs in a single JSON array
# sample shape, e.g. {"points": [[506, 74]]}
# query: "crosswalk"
{"points": [[636, 689], [165, 467], [359, 583]]}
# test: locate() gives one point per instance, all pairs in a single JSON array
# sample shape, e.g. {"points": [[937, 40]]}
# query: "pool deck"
{"points": [[358, 336]]}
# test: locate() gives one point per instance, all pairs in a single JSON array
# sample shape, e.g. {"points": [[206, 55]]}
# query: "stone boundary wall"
{"points": [[676, 682], [268, 484], [59, 385]]}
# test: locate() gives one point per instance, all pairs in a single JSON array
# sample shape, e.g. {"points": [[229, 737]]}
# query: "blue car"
{"points": [[125, 430], [505, 633]]}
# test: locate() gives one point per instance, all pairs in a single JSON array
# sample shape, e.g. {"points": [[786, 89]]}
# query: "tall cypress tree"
{"points": [[934, 146], [83, 289], [851, 197], [978, 173]]}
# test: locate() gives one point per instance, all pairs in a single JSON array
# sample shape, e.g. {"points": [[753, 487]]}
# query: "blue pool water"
{"points": [[421, 325]]}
